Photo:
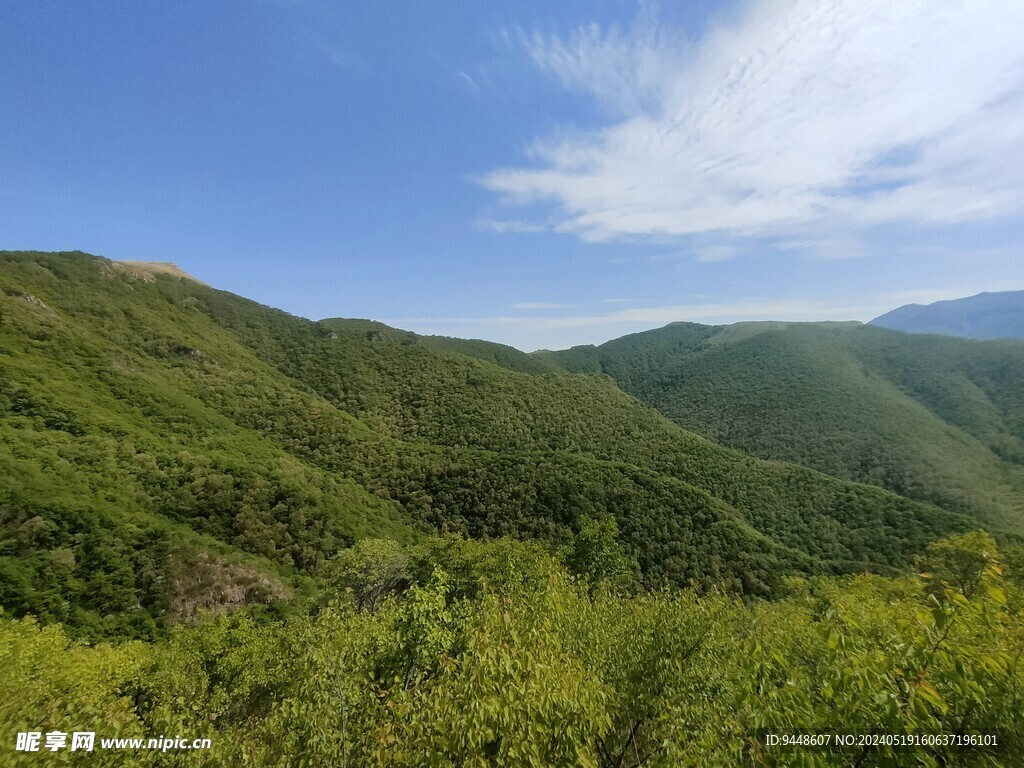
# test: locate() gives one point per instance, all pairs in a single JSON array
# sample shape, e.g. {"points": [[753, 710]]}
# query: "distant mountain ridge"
{"points": [[997, 315]]}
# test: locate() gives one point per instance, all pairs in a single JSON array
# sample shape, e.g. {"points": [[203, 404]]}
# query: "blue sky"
{"points": [[540, 174]]}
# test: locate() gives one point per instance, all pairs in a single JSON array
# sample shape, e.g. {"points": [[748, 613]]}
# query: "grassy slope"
{"points": [[149, 417], [931, 418]]}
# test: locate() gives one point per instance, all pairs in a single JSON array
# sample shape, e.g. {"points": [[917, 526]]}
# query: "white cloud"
{"points": [[624, 69], [798, 118]]}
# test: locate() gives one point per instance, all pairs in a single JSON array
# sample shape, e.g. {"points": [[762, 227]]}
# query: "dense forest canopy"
{"points": [[931, 418], [151, 422], [453, 652], [320, 542]]}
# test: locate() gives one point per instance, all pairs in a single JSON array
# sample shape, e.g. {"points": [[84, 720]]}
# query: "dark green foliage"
{"points": [[597, 556], [400, 387], [509, 358], [930, 418], [144, 413]]}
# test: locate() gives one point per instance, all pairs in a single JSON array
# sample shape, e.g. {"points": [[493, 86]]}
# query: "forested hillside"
{"points": [[156, 429], [931, 418], [498, 654], [218, 520]]}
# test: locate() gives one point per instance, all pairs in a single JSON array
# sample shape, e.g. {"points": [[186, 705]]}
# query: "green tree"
{"points": [[963, 561], [372, 569], [597, 555]]}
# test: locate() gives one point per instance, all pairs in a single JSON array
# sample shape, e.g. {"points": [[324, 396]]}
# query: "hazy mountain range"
{"points": [[985, 316]]}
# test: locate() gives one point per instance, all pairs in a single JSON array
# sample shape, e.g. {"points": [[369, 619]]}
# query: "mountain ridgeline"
{"points": [[997, 315], [168, 447]]}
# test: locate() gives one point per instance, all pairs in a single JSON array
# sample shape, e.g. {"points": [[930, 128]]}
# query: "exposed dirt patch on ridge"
{"points": [[148, 270]]}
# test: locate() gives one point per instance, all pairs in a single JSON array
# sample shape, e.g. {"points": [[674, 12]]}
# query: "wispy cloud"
{"points": [[467, 80], [794, 119], [715, 253], [828, 248], [541, 305], [498, 225], [318, 28], [531, 305], [625, 69]]}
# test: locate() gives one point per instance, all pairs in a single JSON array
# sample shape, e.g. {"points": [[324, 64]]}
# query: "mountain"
{"points": [[932, 418], [176, 456], [169, 447], [985, 316]]}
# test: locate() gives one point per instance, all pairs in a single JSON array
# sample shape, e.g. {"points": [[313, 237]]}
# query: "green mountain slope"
{"points": [[984, 316], [155, 429], [931, 418], [120, 468], [402, 388]]}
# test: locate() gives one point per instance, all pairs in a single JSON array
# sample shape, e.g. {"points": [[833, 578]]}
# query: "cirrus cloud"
{"points": [[796, 119]]}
